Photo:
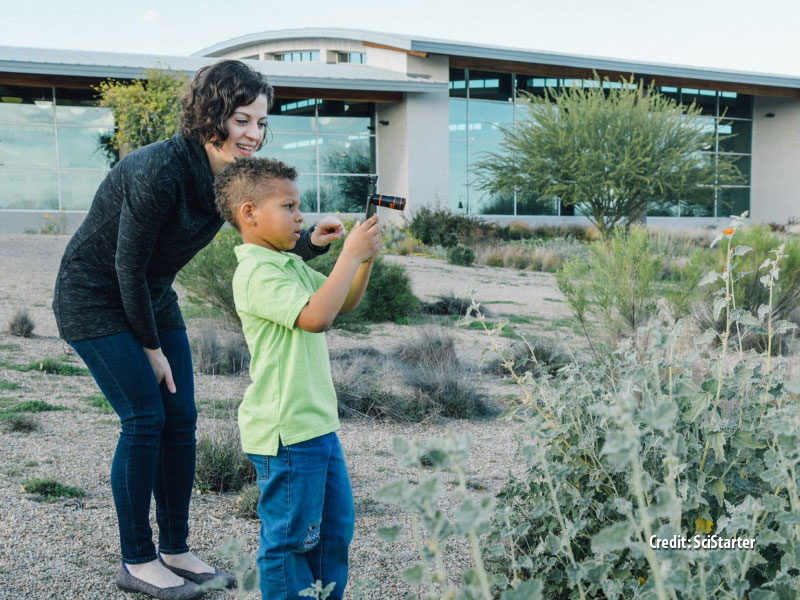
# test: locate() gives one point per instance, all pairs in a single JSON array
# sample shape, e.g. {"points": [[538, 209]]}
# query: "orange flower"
{"points": [[728, 231]]}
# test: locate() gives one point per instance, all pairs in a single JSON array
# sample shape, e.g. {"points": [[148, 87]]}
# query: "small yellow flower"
{"points": [[702, 526], [641, 580]]}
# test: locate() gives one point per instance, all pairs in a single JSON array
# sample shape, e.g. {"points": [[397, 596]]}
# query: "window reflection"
{"points": [[81, 147], [78, 188], [27, 145], [28, 188], [23, 104], [342, 193]]}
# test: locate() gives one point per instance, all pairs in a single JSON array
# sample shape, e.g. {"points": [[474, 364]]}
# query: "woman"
{"points": [[115, 305]]}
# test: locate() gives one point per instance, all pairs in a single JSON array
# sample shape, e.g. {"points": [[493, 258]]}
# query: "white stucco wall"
{"points": [[775, 187]]}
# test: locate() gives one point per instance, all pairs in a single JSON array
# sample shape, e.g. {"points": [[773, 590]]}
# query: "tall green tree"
{"points": [[145, 111], [609, 149]]}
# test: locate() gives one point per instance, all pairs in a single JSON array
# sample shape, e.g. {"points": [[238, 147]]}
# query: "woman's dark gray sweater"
{"points": [[153, 212]]}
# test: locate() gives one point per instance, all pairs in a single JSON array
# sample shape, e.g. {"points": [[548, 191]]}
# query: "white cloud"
{"points": [[151, 16]]}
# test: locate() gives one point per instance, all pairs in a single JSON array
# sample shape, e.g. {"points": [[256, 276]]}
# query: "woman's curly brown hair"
{"points": [[247, 180], [215, 92]]}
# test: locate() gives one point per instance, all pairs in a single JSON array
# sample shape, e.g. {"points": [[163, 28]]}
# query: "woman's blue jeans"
{"points": [[156, 449], [307, 518]]}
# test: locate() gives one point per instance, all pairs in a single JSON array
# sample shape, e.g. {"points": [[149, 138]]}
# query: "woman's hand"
{"points": [[161, 367], [328, 230]]}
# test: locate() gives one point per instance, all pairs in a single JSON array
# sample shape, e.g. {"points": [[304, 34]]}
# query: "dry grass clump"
{"points": [[19, 423], [362, 380], [220, 353], [520, 257], [443, 386], [221, 464], [247, 502], [21, 323]]}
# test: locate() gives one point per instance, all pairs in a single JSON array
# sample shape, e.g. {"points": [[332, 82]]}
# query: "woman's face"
{"points": [[246, 128]]}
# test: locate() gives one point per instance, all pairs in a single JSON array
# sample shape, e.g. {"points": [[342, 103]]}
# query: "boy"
{"points": [[289, 416]]}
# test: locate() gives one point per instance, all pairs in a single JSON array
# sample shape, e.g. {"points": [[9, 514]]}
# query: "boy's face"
{"points": [[274, 222]]}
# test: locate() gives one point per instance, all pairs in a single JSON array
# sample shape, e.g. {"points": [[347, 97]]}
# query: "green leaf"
{"points": [[746, 318], [710, 278], [527, 590], [662, 416], [717, 487], [552, 544], [717, 441], [390, 534], [393, 493], [793, 387], [783, 326], [762, 312], [413, 575], [744, 439], [612, 538], [700, 405], [741, 250], [708, 336]]}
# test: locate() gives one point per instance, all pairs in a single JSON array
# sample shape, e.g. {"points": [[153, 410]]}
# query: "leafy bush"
{"points": [[220, 353], [748, 291], [619, 456], [21, 323], [51, 489], [440, 227], [616, 287], [207, 277], [388, 296], [461, 255], [221, 464], [450, 304]]}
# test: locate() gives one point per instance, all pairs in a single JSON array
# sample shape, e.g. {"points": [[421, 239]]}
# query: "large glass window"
{"points": [[332, 145], [483, 103]]}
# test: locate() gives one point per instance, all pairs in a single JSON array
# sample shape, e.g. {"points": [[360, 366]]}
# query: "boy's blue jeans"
{"points": [[307, 518], [156, 449]]}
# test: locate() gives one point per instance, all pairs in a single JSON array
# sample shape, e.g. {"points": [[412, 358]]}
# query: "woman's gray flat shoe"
{"points": [[201, 578], [128, 583]]}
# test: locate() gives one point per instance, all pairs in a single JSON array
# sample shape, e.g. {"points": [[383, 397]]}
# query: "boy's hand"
{"points": [[328, 230], [364, 241]]}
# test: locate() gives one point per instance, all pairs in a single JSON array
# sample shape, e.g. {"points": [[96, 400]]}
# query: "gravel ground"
{"points": [[69, 549]]}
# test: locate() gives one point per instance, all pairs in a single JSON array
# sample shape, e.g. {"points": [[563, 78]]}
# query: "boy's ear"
{"points": [[246, 213]]}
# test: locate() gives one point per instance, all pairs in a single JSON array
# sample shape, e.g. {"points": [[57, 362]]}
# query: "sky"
{"points": [[760, 36]]}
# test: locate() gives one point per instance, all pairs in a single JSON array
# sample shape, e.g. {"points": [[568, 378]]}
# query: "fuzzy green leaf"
{"points": [[612, 538], [744, 439], [390, 534], [527, 590], [413, 575]]}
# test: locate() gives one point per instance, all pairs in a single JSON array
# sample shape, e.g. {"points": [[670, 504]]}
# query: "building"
{"points": [[417, 112]]}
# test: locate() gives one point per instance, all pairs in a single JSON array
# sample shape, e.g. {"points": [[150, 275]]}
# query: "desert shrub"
{"points": [[207, 277], [452, 305], [363, 386], [221, 464], [655, 446], [17, 423], [546, 255], [440, 227], [220, 353], [461, 255], [388, 296], [614, 292], [21, 323], [247, 502], [538, 355], [748, 291], [51, 489], [443, 385]]}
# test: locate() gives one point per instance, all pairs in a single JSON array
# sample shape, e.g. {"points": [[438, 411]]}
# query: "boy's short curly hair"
{"points": [[247, 180], [215, 92]]}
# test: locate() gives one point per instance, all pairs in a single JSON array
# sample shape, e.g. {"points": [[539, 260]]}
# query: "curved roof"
{"points": [[466, 49], [117, 65]]}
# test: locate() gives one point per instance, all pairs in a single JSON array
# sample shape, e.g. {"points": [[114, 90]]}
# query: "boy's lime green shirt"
{"points": [[292, 396]]}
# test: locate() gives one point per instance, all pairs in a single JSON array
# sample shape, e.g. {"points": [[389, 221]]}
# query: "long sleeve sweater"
{"points": [[153, 212]]}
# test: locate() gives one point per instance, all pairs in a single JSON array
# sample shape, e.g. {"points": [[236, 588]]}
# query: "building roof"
{"points": [[466, 49], [117, 65]]}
